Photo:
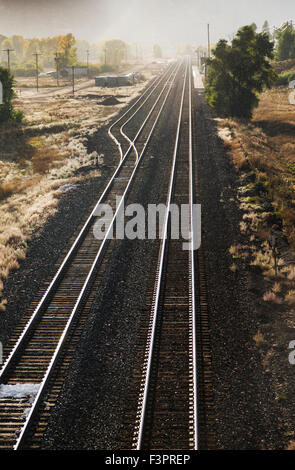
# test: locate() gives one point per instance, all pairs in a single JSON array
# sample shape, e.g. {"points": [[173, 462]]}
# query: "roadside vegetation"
{"points": [[261, 144], [260, 137]]}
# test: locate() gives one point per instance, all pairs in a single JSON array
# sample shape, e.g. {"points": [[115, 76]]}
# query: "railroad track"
{"points": [[171, 387], [167, 414], [34, 370]]}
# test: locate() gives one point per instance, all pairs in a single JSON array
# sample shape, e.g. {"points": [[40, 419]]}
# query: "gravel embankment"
{"points": [[91, 409], [248, 416]]}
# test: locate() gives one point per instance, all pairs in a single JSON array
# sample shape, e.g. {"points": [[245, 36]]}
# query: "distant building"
{"points": [[116, 81]]}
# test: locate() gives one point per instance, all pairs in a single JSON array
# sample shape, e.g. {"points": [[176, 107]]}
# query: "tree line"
{"points": [[22, 49], [66, 49], [283, 38]]}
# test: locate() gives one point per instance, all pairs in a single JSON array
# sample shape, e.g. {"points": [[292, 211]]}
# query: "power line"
{"points": [[57, 68], [87, 52], [73, 78]]}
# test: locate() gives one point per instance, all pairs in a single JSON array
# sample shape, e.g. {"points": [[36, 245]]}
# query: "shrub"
{"points": [[285, 79], [27, 69], [7, 112]]}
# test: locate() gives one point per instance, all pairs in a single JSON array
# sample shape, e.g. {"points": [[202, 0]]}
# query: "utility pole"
{"points": [[57, 68], [87, 52], [73, 78], [209, 48], [8, 56], [37, 69]]}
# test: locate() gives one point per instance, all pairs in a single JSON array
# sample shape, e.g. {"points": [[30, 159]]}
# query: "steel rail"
{"points": [[192, 271], [111, 135], [58, 276], [142, 408], [83, 293], [154, 315], [130, 119]]}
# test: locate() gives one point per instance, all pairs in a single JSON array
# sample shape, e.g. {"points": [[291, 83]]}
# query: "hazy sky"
{"points": [[164, 21]]}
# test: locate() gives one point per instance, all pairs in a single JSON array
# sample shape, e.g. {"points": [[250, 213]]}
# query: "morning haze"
{"points": [[149, 21]]}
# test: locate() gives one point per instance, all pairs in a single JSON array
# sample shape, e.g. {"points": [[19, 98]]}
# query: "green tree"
{"points": [[32, 47], [67, 51], [7, 112], [48, 48], [115, 51], [18, 42], [238, 72], [286, 43], [266, 29]]}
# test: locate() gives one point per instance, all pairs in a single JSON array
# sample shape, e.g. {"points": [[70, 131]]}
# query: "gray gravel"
{"points": [[247, 415], [91, 409]]}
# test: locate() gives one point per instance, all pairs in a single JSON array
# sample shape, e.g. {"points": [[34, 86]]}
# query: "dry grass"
{"points": [[3, 304], [258, 338], [277, 287], [38, 157], [234, 268], [266, 146], [271, 297], [290, 298], [45, 158], [291, 445]]}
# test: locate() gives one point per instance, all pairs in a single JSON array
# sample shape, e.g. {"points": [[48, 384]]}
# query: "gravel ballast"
{"points": [[90, 410], [95, 393]]}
